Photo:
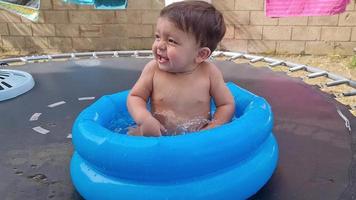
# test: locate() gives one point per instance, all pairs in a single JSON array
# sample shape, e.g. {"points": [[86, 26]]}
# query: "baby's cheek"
{"points": [[172, 54], [174, 51], [154, 47], [177, 59]]}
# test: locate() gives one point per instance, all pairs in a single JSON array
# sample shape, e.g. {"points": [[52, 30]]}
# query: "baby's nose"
{"points": [[162, 45]]}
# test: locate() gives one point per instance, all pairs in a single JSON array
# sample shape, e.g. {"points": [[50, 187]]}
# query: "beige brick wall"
{"points": [[69, 28], [256, 33]]}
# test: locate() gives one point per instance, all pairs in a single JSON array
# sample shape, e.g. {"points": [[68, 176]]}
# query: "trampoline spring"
{"points": [[317, 74], [352, 83], [215, 54], [24, 59], [321, 85], [49, 58], [353, 107], [116, 54], [235, 57], [256, 59], [297, 68], [337, 95], [125, 54], [276, 63], [337, 82], [144, 54], [35, 58], [59, 56], [348, 94], [94, 56]]}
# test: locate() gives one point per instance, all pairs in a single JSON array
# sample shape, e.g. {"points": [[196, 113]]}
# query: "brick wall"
{"points": [[68, 28], [251, 31]]}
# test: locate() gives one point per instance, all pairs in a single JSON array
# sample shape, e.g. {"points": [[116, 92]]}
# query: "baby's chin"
{"points": [[163, 67], [166, 68]]}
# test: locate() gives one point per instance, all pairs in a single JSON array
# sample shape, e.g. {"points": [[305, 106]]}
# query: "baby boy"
{"points": [[179, 82]]}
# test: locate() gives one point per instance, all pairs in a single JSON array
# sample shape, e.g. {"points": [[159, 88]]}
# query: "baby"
{"points": [[179, 82]]}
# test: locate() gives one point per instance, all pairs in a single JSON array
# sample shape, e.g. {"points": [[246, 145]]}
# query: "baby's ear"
{"points": [[203, 54]]}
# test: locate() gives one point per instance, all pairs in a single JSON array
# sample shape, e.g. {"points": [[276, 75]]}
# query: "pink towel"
{"points": [[284, 8]]}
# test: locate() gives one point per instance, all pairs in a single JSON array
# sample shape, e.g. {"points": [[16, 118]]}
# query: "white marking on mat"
{"points": [[85, 98], [40, 130], [88, 62], [35, 116], [347, 122], [69, 135], [56, 104]]}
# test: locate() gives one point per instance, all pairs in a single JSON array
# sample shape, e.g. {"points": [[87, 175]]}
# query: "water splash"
{"points": [[123, 124], [177, 126]]}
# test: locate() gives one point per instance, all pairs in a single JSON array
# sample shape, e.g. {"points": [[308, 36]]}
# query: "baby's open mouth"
{"points": [[162, 59]]}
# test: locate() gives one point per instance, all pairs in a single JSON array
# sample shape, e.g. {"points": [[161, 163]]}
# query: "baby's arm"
{"points": [[224, 101], [136, 103]]}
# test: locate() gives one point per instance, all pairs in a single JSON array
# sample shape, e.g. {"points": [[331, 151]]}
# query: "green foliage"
{"points": [[353, 62]]}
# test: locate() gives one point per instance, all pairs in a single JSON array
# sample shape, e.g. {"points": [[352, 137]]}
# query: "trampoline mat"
{"points": [[317, 151]]}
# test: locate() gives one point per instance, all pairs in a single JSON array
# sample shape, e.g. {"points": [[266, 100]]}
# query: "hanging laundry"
{"points": [[101, 4], [80, 2], [167, 2], [285, 8], [25, 8]]}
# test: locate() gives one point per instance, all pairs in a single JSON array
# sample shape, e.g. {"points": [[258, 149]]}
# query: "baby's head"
{"points": [[198, 18], [186, 34]]}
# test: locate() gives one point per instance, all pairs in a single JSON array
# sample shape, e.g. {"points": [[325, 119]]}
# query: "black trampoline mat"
{"points": [[317, 151]]}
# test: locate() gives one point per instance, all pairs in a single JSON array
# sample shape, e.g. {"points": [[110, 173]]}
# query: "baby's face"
{"points": [[174, 50]]}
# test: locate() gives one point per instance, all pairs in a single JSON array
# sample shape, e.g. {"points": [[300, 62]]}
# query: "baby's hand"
{"points": [[212, 124], [152, 127]]}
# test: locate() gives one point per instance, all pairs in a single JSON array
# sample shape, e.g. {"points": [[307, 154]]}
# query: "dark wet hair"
{"points": [[199, 18]]}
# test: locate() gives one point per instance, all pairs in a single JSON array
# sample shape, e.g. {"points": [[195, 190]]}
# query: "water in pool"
{"points": [[124, 124]]}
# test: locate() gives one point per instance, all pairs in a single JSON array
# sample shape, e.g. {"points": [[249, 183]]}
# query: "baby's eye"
{"points": [[157, 37], [172, 41]]}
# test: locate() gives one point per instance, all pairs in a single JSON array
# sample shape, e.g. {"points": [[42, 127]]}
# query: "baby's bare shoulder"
{"points": [[209, 66], [211, 69], [150, 66]]}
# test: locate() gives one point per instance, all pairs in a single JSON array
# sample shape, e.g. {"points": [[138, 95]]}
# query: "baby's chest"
{"points": [[187, 92]]}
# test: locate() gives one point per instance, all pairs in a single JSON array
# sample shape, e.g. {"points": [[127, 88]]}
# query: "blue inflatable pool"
{"points": [[232, 161]]}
